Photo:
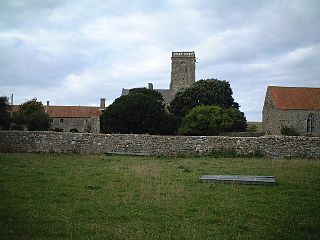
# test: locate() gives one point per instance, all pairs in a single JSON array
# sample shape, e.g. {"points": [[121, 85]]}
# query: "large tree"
{"points": [[203, 92], [4, 113], [234, 120], [141, 111], [32, 114]]}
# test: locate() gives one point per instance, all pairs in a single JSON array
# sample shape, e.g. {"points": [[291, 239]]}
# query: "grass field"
{"points": [[116, 197]]}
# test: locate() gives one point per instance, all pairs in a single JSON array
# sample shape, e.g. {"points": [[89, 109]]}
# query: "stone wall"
{"points": [[85, 143]]}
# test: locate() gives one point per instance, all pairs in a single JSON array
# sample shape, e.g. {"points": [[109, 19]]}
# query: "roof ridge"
{"points": [[293, 87]]}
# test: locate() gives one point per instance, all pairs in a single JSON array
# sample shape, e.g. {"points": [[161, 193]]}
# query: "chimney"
{"points": [[47, 107], [102, 103], [11, 108], [150, 86]]}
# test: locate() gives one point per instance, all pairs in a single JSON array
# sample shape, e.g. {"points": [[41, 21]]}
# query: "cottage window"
{"points": [[51, 120], [61, 120], [310, 123]]}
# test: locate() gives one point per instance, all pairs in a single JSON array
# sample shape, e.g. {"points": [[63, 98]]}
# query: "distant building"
{"points": [[183, 65], [65, 118], [297, 107]]}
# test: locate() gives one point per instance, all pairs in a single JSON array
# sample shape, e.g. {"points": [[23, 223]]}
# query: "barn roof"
{"points": [[69, 111], [73, 111], [301, 98]]}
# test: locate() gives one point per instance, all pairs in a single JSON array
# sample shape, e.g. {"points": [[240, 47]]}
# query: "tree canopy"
{"points": [[141, 111], [38, 121], [4, 113], [212, 120], [32, 114], [202, 120], [203, 92]]}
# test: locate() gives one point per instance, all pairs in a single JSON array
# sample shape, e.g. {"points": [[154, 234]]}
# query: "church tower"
{"points": [[183, 65]]}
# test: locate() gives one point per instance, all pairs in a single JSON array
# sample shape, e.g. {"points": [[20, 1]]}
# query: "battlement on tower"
{"points": [[183, 54]]}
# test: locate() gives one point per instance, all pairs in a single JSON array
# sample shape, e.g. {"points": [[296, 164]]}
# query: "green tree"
{"points": [[38, 121], [31, 106], [203, 92], [142, 111], [234, 120], [152, 93], [202, 120], [32, 114], [4, 113], [212, 120]]}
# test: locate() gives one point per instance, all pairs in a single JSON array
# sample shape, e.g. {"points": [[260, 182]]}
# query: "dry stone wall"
{"points": [[89, 143]]}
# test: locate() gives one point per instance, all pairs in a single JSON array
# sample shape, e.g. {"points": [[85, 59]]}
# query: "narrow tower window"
{"points": [[310, 123]]}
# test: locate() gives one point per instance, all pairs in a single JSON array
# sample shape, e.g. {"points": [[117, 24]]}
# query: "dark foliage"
{"points": [[58, 130], [32, 114], [212, 120], [203, 92], [234, 120], [38, 121], [4, 113], [142, 111], [74, 130], [289, 131]]}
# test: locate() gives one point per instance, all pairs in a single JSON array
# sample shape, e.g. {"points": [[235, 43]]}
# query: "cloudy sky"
{"points": [[74, 52]]}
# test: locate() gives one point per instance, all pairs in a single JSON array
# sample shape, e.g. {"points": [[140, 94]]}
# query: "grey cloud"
{"points": [[74, 52]]}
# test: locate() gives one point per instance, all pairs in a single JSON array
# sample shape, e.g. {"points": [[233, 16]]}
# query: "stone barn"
{"points": [[295, 107], [82, 118], [79, 118]]}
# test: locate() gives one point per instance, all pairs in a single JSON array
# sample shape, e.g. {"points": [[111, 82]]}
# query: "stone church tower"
{"points": [[183, 65]]}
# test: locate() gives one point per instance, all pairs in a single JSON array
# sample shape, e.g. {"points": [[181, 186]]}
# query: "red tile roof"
{"points": [[73, 111], [295, 97], [69, 111]]}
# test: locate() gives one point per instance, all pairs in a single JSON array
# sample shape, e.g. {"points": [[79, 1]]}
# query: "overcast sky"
{"points": [[75, 52]]}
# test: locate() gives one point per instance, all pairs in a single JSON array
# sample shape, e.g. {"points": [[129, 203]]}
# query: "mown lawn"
{"points": [[117, 197]]}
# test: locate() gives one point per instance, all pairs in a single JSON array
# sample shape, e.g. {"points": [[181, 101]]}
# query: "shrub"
{"points": [[74, 130], [58, 130], [38, 121], [252, 128], [17, 127], [202, 120], [289, 131]]}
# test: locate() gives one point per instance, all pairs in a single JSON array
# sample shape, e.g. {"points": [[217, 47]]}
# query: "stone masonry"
{"points": [[153, 145]]}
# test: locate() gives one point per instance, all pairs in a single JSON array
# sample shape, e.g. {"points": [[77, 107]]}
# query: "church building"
{"points": [[183, 65]]}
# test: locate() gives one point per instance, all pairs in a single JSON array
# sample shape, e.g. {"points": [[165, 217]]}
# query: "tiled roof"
{"points": [[73, 111], [69, 111], [295, 97]]}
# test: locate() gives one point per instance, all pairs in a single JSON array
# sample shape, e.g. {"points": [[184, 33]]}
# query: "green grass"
{"points": [[117, 197]]}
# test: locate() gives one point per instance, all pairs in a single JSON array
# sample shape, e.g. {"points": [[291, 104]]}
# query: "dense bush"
{"points": [[38, 121], [4, 113], [31, 113], [17, 127], [289, 131], [74, 130], [211, 120], [58, 130]]}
